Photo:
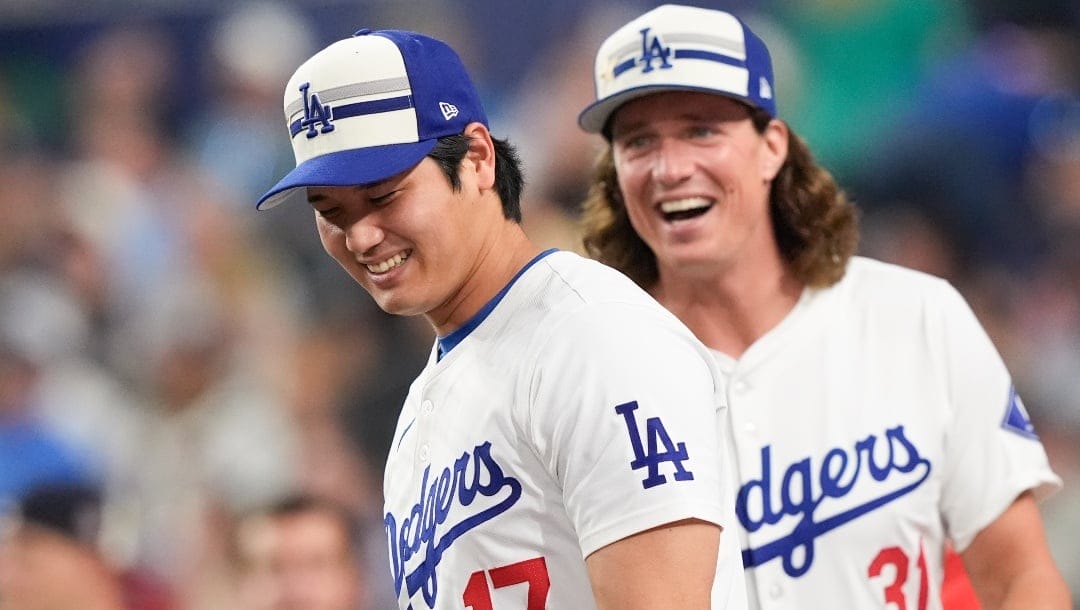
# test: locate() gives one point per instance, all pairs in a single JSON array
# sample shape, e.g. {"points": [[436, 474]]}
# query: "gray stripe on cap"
{"points": [[727, 44], [732, 47], [375, 87]]}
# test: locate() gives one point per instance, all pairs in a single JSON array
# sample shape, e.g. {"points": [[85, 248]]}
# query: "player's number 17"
{"points": [[531, 571]]}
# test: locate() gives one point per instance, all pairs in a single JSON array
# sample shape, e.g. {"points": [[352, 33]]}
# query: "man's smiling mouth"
{"points": [[389, 263], [683, 209]]}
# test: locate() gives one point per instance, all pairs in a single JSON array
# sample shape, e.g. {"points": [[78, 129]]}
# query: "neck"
{"points": [[730, 310], [496, 264]]}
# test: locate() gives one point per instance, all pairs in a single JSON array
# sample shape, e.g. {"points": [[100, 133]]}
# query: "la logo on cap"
{"points": [[653, 50], [315, 112]]}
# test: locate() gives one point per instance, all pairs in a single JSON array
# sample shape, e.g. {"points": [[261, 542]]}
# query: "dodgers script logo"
{"points": [[425, 533], [315, 112], [898, 464], [653, 49]]}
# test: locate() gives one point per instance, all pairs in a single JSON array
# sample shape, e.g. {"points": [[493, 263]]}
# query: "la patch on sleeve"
{"points": [[655, 449], [1016, 417]]}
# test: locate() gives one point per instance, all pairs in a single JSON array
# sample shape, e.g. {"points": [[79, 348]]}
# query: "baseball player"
{"points": [[872, 420], [563, 446]]}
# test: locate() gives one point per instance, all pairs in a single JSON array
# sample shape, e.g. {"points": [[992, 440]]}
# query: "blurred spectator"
{"points": [[302, 553], [26, 174], [214, 441], [343, 401], [50, 558], [186, 424], [327, 360], [31, 452], [125, 188], [236, 138]]}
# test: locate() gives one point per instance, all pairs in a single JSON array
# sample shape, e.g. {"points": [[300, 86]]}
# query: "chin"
{"points": [[397, 305], [686, 264]]}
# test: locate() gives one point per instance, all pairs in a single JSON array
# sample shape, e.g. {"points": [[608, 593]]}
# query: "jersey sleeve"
{"points": [[992, 451], [621, 409]]}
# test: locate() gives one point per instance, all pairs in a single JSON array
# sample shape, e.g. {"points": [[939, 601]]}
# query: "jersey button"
{"points": [[776, 591], [750, 427], [425, 453], [427, 407], [740, 386]]}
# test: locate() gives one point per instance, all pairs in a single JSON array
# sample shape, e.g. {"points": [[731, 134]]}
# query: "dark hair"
{"points": [[72, 510], [509, 179], [815, 225]]}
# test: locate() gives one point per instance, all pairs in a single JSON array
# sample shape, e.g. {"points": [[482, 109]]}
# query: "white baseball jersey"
{"points": [[576, 412], [875, 422]]}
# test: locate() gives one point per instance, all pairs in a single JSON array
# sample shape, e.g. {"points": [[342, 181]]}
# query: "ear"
{"points": [[480, 158], [775, 151]]}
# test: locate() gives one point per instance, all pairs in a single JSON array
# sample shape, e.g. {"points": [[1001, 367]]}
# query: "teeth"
{"points": [[389, 263], [682, 205]]}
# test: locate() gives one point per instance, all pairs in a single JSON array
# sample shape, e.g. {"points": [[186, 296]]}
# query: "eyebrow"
{"points": [[628, 128], [690, 116]]}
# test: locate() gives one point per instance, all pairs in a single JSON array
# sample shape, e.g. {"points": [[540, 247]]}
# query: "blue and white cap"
{"points": [[683, 48], [372, 106]]}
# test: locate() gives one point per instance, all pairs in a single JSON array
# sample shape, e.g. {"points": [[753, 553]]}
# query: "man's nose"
{"points": [[363, 234], [673, 163]]}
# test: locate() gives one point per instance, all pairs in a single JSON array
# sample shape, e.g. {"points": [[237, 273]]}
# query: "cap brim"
{"points": [[596, 115], [347, 168]]}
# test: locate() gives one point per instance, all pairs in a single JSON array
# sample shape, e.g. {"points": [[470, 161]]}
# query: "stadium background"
{"points": [[197, 359]]}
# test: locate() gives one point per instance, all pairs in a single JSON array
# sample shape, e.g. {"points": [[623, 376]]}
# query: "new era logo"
{"points": [[449, 110], [765, 91]]}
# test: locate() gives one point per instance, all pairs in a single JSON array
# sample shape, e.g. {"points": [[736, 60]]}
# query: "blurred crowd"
{"points": [[186, 371]]}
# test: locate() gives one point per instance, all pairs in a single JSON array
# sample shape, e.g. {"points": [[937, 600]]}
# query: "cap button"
{"points": [[362, 32]]}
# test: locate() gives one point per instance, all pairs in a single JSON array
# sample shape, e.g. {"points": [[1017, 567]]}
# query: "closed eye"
{"points": [[328, 213], [383, 199], [701, 131]]}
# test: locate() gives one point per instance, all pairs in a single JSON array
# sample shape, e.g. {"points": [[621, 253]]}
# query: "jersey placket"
{"points": [[425, 415], [749, 432]]}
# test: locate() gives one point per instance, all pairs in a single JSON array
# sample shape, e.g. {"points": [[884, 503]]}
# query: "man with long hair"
{"points": [[873, 422]]}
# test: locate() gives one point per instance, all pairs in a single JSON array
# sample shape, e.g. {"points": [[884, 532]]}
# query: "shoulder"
{"points": [[570, 307], [888, 300], [588, 298], [888, 276], [887, 285], [592, 281]]}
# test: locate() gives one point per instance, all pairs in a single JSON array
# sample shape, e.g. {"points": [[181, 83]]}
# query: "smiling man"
{"points": [[563, 447], [872, 420]]}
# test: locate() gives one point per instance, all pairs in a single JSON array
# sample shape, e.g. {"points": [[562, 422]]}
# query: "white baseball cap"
{"points": [[372, 106], [684, 48]]}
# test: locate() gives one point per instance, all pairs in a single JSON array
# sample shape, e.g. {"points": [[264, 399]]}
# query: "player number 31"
{"points": [[895, 557]]}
